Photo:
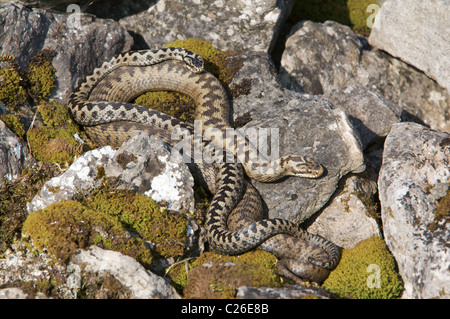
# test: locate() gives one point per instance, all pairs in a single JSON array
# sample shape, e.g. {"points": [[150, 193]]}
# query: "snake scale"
{"points": [[234, 221]]}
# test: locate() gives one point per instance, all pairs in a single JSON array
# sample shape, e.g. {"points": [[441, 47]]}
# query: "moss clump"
{"points": [[348, 12], [143, 216], [12, 86], [14, 197], [222, 65], [13, 122], [63, 227], [108, 218], [218, 276], [173, 103], [41, 75], [55, 142], [359, 269], [441, 212], [36, 82]]}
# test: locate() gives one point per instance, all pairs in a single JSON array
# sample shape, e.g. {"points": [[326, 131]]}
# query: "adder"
{"points": [[234, 221]]}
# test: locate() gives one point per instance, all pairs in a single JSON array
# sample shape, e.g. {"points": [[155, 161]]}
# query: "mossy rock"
{"points": [[14, 124], [217, 276], [367, 271], [63, 227], [12, 90], [55, 142], [112, 219], [41, 75], [14, 197], [36, 82], [222, 65], [143, 216]]}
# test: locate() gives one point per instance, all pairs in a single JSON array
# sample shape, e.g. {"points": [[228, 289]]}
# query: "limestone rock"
{"points": [[348, 218], [14, 154], [12, 293], [371, 114], [321, 58], [415, 175], [290, 292], [420, 98], [307, 125], [415, 32], [142, 283], [81, 176], [80, 45], [142, 164], [228, 25]]}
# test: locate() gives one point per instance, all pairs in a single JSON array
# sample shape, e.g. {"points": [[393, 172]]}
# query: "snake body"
{"points": [[234, 223]]}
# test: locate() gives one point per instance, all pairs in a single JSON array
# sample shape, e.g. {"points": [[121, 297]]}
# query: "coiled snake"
{"points": [[234, 221]]}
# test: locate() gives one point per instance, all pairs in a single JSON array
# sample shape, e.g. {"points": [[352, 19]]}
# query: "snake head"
{"points": [[304, 166], [194, 62]]}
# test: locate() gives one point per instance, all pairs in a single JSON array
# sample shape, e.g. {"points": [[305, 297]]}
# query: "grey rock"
{"points": [[415, 32], [142, 283], [19, 265], [142, 164], [308, 125], [416, 160], [81, 176], [346, 219], [420, 98], [12, 293], [80, 44], [228, 25], [290, 292], [371, 114], [322, 58], [88, 269], [14, 155]]}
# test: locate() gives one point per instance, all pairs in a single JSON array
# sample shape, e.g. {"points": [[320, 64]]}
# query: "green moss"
{"points": [[143, 216], [13, 122], [37, 81], [173, 103], [56, 115], [442, 211], [222, 65], [113, 219], [55, 142], [12, 90], [224, 274], [348, 12], [355, 275], [41, 75], [14, 197], [63, 227], [358, 15]]}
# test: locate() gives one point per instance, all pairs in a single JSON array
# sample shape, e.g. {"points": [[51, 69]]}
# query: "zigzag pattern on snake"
{"points": [[234, 222]]}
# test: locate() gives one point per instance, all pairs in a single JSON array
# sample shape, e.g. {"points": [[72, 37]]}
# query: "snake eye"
{"points": [[194, 63]]}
